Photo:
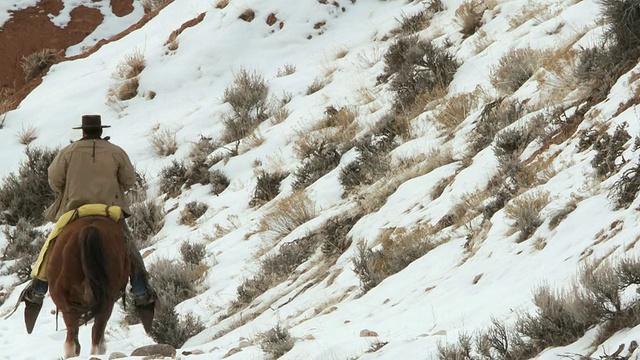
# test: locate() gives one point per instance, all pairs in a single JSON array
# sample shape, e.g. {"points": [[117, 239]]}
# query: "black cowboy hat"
{"points": [[91, 122]]}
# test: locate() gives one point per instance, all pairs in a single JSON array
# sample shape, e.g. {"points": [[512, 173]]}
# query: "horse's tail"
{"points": [[94, 266]]}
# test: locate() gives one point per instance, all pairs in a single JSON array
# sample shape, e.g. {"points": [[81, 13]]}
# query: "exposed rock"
{"points": [[192, 352], [117, 355], [155, 350], [232, 352], [368, 333]]}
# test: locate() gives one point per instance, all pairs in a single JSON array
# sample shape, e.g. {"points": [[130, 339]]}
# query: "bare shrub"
{"points": [[560, 319], [469, 16], [146, 220], [26, 194], [624, 190], [36, 63], [623, 21], [525, 211], [219, 181], [275, 268], [23, 246], [516, 67], [172, 178], [413, 24], [460, 351], [608, 149], [248, 99], [374, 266], [192, 212], [495, 117], [177, 282], [221, 4], [369, 166], [334, 236], [288, 213], [324, 158], [267, 187], [164, 142], [414, 66], [276, 341], [192, 253]]}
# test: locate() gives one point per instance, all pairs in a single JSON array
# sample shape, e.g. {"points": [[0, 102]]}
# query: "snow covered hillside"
{"points": [[362, 179]]}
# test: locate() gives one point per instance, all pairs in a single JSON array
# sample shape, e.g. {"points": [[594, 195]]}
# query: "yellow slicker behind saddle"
{"points": [[113, 212]]}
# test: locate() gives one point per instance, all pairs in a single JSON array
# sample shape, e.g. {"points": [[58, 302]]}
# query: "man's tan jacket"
{"points": [[90, 171]]}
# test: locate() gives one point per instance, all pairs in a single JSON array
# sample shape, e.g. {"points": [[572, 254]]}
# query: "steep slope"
{"points": [[437, 167]]}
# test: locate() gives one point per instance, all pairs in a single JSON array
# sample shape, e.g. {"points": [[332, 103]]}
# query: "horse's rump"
{"points": [[88, 266]]}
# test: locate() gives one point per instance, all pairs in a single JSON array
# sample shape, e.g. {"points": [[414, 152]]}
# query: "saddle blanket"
{"points": [[113, 212]]}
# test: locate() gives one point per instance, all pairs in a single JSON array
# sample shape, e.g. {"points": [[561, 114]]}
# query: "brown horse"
{"points": [[88, 271]]}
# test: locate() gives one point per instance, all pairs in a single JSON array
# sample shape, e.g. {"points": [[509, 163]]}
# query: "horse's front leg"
{"points": [[71, 344]]}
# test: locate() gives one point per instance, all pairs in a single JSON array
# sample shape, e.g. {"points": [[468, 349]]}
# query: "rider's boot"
{"points": [[33, 296], [144, 297]]}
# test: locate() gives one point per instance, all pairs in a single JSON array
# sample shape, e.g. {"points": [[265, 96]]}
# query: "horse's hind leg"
{"points": [[98, 346], [71, 344]]}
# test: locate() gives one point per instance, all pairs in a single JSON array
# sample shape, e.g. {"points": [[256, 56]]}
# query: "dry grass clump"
{"points": [[27, 135], [164, 142], [516, 67], [469, 16], [455, 111], [276, 341], [192, 211], [26, 194], [286, 70], [267, 187], [248, 99], [317, 85], [146, 220], [127, 77], [414, 67], [22, 248], [525, 212], [275, 268], [36, 63], [560, 214], [288, 213], [372, 267]]}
